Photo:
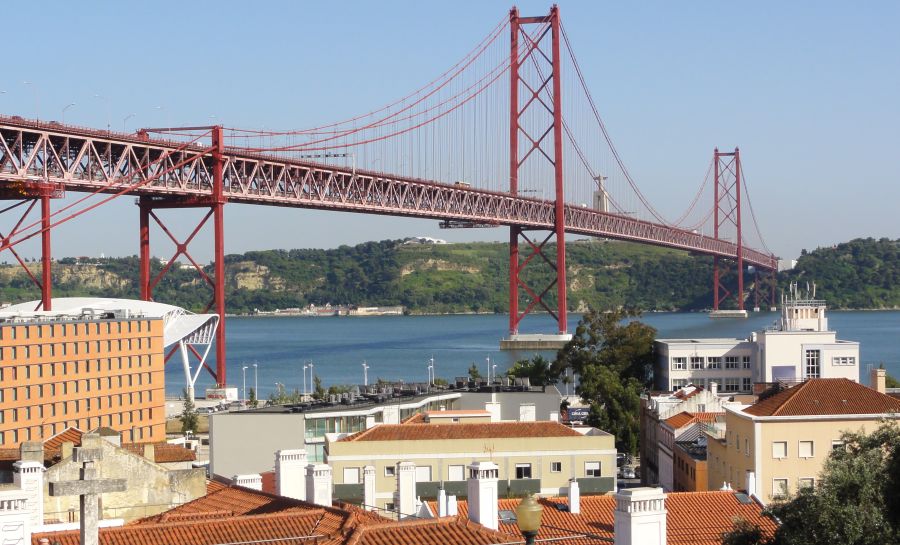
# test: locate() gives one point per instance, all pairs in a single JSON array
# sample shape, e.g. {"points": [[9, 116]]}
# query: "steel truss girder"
{"points": [[83, 160]]}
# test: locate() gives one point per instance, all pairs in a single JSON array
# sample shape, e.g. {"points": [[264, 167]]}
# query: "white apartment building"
{"points": [[798, 347]]}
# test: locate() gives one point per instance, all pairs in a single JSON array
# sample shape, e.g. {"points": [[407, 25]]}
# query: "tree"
{"points": [[474, 373], [854, 501], [189, 420], [745, 533], [318, 389], [536, 370], [612, 353], [252, 401]]}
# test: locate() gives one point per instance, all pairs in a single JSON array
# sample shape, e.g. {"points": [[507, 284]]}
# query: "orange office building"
{"points": [[89, 363]]}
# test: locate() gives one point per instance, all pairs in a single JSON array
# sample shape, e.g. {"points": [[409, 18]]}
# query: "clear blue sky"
{"points": [[810, 91]]}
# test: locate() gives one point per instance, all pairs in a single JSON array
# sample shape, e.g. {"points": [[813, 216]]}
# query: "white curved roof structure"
{"points": [[178, 324]]}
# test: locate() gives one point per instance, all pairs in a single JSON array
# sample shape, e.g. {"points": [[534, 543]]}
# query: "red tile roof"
{"points": [[163, 453], [444, 531], [233, 501], [685, 418], [482, 430], [694, 518], [825, 396]]}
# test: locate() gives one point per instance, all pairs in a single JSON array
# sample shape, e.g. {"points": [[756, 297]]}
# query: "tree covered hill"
{"points": [[863, 273], [470, 277]]}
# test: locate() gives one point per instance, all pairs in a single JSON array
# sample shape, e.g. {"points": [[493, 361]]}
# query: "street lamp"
{"points": [[125, 122], [69, 105], [312, 380], [488, 360], [365, 373], [305, 367], [494, 369], [528, 518], [244, 370], [37, 106], [255, 381], [431, 371]]}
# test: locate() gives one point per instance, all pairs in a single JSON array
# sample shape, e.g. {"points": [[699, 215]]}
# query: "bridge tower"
{"points": [[215, 204], [727, 214], [543, 49]]}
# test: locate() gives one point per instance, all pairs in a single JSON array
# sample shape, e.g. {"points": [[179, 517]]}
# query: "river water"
{"points": [[400, 347]]}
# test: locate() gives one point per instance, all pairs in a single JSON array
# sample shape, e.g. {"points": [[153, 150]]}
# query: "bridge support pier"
{"points": [[545, 95], [727, 215], [215, 206]]}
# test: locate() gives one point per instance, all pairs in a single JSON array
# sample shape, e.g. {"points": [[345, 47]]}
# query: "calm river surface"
{"points": [[399, 347]]}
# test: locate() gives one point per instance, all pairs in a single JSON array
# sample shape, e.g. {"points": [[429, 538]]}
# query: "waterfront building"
{"points": [[798, 346], [416, 459], [779, 444], [304, 425], [89, 363]]}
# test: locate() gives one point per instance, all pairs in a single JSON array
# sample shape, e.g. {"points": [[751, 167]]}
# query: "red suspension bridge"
{"points": [[488, 143]]}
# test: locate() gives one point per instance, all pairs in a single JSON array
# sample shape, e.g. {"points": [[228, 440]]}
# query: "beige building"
{"points": [[433, 453], [779, 444]]}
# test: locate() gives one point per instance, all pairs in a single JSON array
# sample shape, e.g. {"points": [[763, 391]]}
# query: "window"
{"points": [[714, 362], [423, 474], [746, 447], [745, 362], [806, 449], [731, 362], [779, 488], [351, 475], [779, 449], [592, 469], [389, 506], [746, 384], [555, 467], [697, 362], [806, 482], [678, 383], [457, 473], [812, 364], [732, 384], [523, 471], [679, 363], [843, 360], [837, 444]]}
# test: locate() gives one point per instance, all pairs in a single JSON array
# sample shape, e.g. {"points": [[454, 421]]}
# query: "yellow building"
{"points": [[435, 451], [779, 444]]}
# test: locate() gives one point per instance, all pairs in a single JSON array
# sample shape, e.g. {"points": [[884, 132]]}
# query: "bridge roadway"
{"points": [[87, 160]]}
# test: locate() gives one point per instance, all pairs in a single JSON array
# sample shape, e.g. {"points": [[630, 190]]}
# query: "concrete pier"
{"points": [[535, 341], [728, 314]]}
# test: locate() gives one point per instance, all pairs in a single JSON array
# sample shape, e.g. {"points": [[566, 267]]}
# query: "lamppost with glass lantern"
{"points": [[528, 518]]}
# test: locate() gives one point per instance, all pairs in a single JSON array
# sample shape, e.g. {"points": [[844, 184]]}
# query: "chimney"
{"points": [[482, 491], [290, 466], [405, 496], [574, 497], [65, 450], [150, 452], [452, 506], [493, 407], [253, 481], [714, 388], [29, 477], [31, 451], [369, 488], [442, 503], [318, 484], [640, 517], [751, 483], [527, 412], [878, 379]]}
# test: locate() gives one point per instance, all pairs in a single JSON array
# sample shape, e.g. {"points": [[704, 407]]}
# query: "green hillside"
{"points": [[472, 277]]}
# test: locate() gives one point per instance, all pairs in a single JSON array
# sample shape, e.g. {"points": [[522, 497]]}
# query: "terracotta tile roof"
{"points": [[52, 448], [274, 528], [681, 394], [163, 453], [68, 435], [417, 418], [428, 532], [825, 396], [482, 430], [233, 501], [214, 485], [685, 418], [694, 518]]}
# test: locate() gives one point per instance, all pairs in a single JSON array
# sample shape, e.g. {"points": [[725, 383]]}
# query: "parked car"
{"points": [[627, 473]]}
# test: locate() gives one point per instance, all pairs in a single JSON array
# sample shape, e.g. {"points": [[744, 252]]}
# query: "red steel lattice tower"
{"points": [[727, 212], [216, 205], [536, 91]]}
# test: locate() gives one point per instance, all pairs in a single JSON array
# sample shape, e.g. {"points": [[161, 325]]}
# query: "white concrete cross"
{"points": [[88, 489]]}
